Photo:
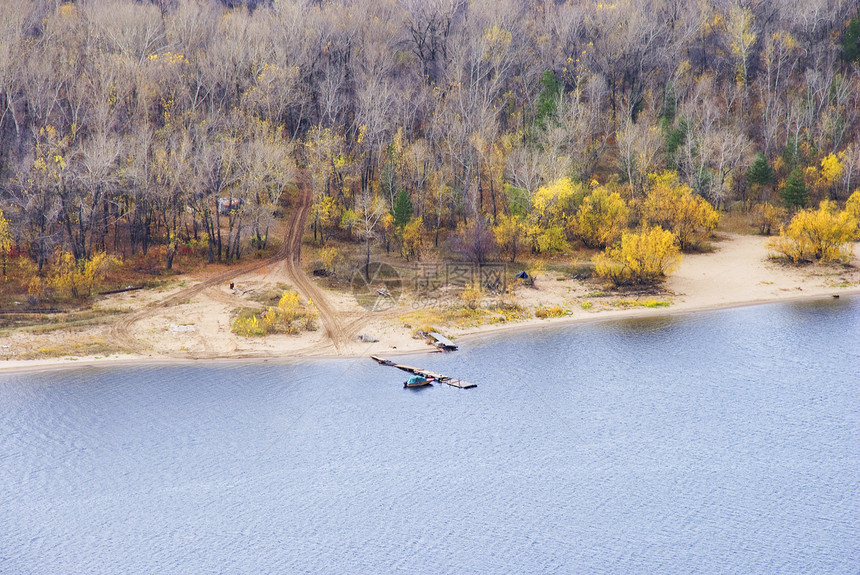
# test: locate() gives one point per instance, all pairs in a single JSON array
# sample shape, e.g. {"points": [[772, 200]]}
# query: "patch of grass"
{"points": [[271, 295], [452, 316], [511, 312], [586, 305], [595, 293], [551, 311], [289, 317], [628, 303], [47, 323], [79, 347]]}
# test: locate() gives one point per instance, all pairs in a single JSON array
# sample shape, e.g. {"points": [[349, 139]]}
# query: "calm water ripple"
{"points": [[722, 442]]}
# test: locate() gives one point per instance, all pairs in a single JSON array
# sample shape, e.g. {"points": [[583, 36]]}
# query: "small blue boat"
{"points": [[417, 381]]}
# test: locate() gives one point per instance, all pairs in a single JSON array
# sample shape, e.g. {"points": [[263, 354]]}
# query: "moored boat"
{"points": [[417, 381]]}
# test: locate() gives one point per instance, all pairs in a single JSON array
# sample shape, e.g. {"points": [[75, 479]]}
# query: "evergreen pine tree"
{"points": [[402, 209], [547, 103], [851, 40], [759, 174], [794, 194]]}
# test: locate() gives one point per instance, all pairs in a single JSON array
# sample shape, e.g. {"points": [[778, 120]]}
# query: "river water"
{"points": [[720, 442]]}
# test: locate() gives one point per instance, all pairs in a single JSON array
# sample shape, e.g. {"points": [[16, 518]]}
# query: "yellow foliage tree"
{"points": [[601, 219], [554, 203], [410, 237], [823, 234], [552, 240], [5, 240], [326, 213], [767, 216], [640, 258], [852, 207], [831, 171], [328, 255], [510, 231], [78, 278], [671, 205]]}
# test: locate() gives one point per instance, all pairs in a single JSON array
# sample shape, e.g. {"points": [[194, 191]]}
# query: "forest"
{"points": [[498, 127]]}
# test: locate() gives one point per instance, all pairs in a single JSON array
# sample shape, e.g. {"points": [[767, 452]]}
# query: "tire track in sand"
{"points": [[289, 253]]}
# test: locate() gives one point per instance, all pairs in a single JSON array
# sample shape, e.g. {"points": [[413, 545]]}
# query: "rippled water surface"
{"points": [[723, 442]]}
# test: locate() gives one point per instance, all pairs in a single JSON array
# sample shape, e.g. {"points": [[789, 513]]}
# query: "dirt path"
{"points": [[289, 258]]}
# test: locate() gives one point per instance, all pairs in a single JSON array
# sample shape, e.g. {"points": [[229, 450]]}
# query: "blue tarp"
{"points": [[416, 379], [523, 275]]}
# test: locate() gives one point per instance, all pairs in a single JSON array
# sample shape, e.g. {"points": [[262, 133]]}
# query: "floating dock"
{"points": [[452, 381], [442, 342]]}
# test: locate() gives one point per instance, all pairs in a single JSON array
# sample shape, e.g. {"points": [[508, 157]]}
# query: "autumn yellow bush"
{"points": [[823, 234], [601, 219], [767, 217], [79, 278], [852, 208], [411, 239], [5, 241], [551, 311], [290, 317], [640, 258], [471, 296], [671, 205], [510, 233]]}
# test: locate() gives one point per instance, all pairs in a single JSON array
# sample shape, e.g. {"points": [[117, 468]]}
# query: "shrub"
{"points": [[552, 241], [766, 217], [471, 296], [671, 205], [79, 278], [640, 258], [549, 312], [602, 218], [509, 232], [290, 317], [822, 234], [852, 207]]}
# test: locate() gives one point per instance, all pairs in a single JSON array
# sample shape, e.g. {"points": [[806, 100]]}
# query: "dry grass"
{"points": [[737, 222], [81, 346]]}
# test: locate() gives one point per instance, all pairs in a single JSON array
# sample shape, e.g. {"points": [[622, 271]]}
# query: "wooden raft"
{"points": [[452, 381]]}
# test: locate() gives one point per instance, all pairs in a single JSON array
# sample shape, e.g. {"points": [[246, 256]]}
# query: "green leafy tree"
{"points": [[794, 193]]}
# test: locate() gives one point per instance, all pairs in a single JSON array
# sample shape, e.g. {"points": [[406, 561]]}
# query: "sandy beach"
{"points": [[190, 322]]}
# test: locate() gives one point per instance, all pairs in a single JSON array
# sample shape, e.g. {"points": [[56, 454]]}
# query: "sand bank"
{"points": [[196, 329]]}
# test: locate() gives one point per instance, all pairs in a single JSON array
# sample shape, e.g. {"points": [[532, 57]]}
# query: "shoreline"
{"points": [[131, 360], [738, 273]]}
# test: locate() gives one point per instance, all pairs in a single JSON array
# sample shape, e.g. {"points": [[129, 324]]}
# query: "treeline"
{"points": [[131, 126]]}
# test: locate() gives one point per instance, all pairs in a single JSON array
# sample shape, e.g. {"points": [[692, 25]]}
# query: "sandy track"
{"points": [[287, 259]]}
